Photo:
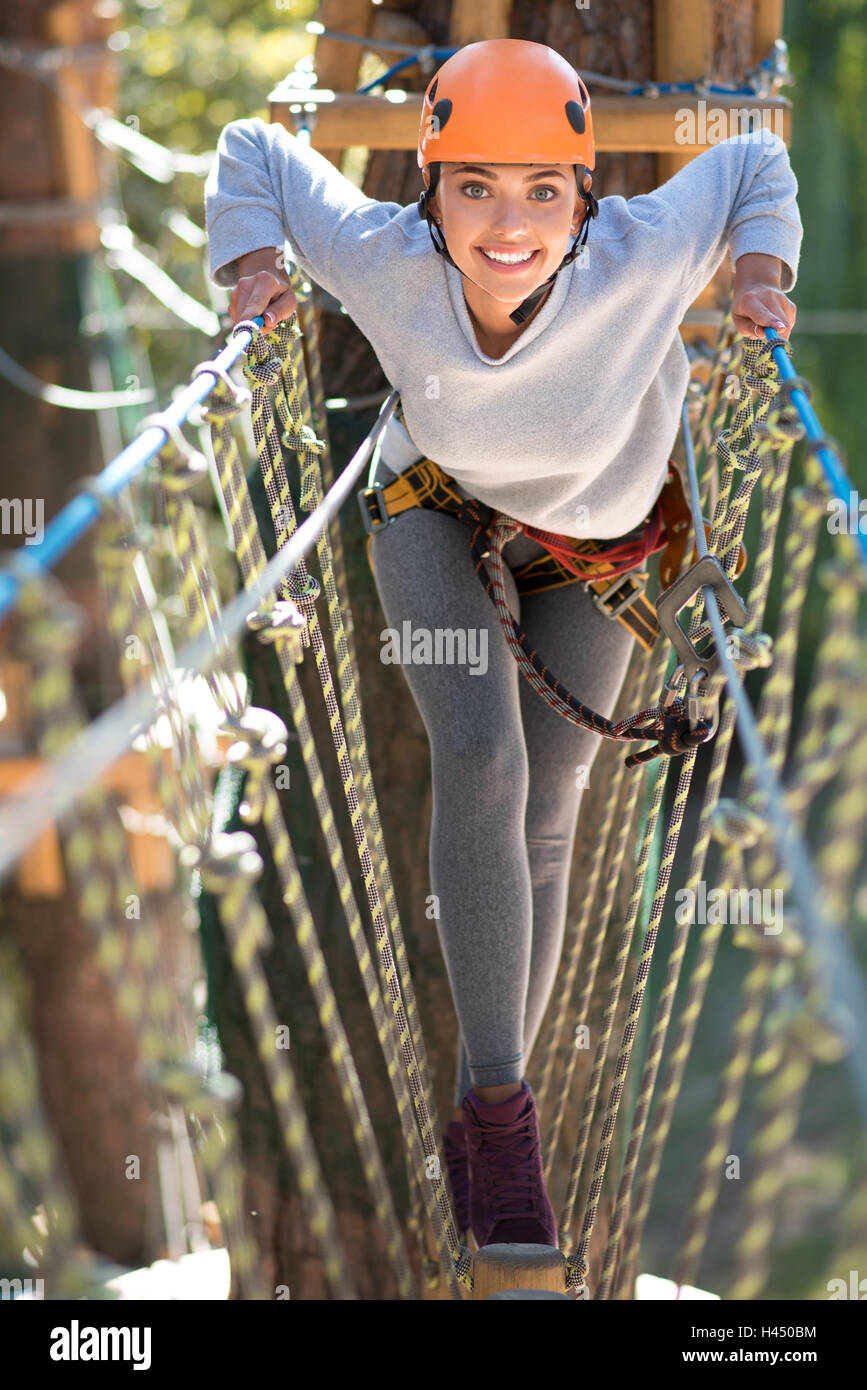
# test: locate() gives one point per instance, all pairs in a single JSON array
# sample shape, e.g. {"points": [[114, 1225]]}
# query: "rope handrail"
{"points": [[838, 482], [77, 517], [842, 980], [48, 794], [52, 791], [74, 759]]}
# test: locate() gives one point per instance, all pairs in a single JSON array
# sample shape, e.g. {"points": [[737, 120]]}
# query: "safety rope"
{"points": [[736, 825], [97, 844], [714, 407], [802, 524], [291, 404], [29, 1161], [759, 654], [294, 408], [261, 743], [786, 1022], [669, 724], [577, 1262], [393, 1035]]}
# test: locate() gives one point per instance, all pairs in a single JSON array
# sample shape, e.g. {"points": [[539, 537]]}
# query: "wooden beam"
{"points": [[77, 149], [638, 124], [767, 26], [40, 872], [683, 40], [336, 63], [471, 21], [683, 44]]}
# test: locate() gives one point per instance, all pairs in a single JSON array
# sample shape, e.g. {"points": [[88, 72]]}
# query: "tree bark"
{"points": [[86, 1051]]}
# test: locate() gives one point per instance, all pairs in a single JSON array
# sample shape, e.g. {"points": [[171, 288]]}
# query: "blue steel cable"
{"points": [[834, 473], [78, 516], [53, 791], [838, 968]]}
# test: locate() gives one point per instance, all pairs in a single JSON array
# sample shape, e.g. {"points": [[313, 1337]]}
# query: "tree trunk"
{"points": [[86, 1051]]}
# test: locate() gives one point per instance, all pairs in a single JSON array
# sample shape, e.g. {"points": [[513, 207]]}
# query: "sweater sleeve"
{"points": [[266, 186], [741, 194]]}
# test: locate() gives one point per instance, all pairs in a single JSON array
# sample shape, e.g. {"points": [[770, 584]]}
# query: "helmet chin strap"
{"points": [[526, 307]]}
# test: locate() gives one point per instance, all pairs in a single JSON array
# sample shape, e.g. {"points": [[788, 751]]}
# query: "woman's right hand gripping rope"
{"points": [[263, 288]]}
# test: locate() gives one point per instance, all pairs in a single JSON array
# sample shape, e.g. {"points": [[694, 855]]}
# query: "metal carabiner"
{"points": [[696, 704], [668, 688]]}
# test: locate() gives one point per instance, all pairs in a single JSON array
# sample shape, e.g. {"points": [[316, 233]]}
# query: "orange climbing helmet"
{"points": [[506, 101]]}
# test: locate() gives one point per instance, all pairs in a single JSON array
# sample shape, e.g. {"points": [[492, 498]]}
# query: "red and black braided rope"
{"points": [[670, 727]]}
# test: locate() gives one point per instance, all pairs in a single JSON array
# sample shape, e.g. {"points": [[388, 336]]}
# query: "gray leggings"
{"points": [[504, 774]]}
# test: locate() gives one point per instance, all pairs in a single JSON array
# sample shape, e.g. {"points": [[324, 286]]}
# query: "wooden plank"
{"points": [[497, 1268], [471, 21], [335, 63], [683, 40], [40, 868], [76, 145], [683, 43], [620, 123], [767, 26]]}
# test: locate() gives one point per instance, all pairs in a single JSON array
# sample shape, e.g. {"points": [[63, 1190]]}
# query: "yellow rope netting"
{"points": [[785, 1022]]}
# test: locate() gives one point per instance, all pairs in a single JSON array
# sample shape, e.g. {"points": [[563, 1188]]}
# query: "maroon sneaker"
{"points": [[509, 1202], [455, 1148]]}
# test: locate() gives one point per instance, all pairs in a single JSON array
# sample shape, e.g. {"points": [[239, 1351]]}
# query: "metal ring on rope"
{"points": [[217, 407], [109, 502], [182, 465], [122, 537]]}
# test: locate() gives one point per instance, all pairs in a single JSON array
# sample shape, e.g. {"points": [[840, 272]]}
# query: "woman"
{"points": [[545, 379]]}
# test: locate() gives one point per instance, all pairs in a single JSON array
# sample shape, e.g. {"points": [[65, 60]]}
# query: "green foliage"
{"points": [[828, 54], [188, 68]]}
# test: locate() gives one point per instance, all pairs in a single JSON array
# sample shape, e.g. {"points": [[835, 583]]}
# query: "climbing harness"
{"points": [[609, 568], [618, 587]]}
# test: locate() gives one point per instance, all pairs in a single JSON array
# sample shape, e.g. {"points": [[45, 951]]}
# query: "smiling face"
{"points": [[524, 215]]}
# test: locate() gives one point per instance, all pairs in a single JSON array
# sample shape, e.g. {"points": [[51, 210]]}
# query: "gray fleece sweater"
{"points": [[572, 428]]}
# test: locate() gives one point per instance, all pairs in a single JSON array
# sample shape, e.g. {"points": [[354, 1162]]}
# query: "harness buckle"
{"points": [[375, 495], [621, 601]]}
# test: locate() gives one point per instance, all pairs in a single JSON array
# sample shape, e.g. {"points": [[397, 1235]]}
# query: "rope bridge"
{"points": [[802, 1000]]}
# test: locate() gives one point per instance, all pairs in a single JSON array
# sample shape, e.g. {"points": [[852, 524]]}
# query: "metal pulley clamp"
{"points": [[706, 572], [668, 688], [700, 707], [426, 58]]}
